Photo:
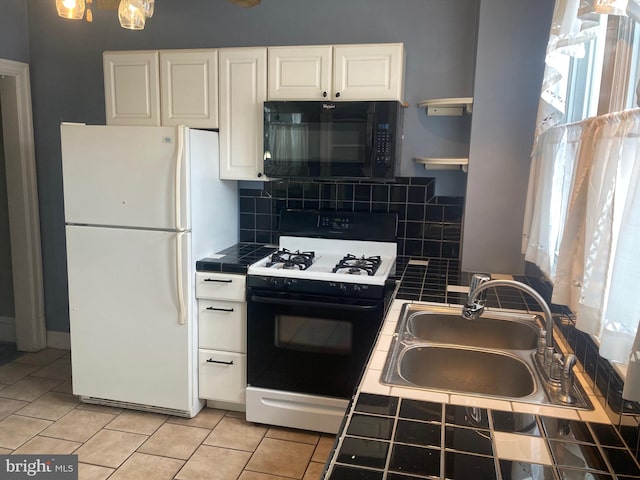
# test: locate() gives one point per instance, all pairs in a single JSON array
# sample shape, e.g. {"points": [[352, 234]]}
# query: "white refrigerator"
{"points": [[141, 205]]}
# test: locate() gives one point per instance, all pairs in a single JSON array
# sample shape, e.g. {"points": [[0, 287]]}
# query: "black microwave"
{"points": [[317, 139]]}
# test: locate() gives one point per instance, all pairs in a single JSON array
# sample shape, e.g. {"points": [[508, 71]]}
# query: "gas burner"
{"points": [[352, 265], [291, 260]]}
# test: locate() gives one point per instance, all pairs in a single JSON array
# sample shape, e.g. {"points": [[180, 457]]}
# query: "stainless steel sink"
{"points": [[466, 370], [435, 348], [485, 332]]}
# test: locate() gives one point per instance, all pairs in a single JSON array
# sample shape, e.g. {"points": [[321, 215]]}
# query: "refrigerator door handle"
{"points": [[180, 283], [178, 179]]}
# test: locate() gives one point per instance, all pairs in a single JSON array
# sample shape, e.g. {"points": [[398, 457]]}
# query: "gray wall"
{"points": [[14, 45], [67, 82], [14, 35], [7, 307], [512, 39]]}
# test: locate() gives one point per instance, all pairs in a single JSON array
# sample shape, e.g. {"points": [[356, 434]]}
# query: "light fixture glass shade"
{"points": [[148, 6], [72, 9], [131, 14]]}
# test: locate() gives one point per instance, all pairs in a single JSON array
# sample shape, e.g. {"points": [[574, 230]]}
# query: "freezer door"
{"points": [[125, 176], [132, 336]]}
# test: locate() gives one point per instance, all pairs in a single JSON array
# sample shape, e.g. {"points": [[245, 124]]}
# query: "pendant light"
{"points": [[71, 9], [131, 14]]}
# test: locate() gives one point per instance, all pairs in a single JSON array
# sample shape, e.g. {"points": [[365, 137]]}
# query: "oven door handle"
{"points": [[309, 303]]}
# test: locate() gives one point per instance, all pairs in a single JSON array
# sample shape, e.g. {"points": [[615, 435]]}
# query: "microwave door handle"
{"points": [[311, 304]]}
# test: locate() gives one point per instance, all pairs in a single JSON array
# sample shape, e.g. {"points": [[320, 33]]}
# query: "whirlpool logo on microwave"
{"points": [[39, 467], [328, 106]]}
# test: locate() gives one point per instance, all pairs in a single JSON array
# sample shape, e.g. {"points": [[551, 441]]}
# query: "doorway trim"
{"points": [[22, 194]]}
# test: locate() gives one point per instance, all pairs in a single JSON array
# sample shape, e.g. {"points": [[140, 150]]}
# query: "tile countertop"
{"points": [[397, 433]]}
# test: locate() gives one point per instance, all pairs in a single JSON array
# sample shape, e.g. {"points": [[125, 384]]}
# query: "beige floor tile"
{"points": [[293, 435], [16, 430], [93, 472], [29, 388], [323, 449], [141, 466], [314, 471], [64, 387], [137, 422], [176, 441], [207, 418], [247, 475], [60, 369], [5, 451], [236, 433], [51, 406], [43, 357], [280, 457], [234, 414], [44, 446], [9, 405], [3, 385], [12, 372], [110, 448], [213, 463], [78, 425], [100, 408]]}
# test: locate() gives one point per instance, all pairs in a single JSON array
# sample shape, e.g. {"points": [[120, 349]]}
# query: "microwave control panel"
{"points": [[383, 145]]}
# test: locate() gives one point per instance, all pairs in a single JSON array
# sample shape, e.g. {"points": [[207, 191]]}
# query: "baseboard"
{"points": [[7, 329], [61, 340]]}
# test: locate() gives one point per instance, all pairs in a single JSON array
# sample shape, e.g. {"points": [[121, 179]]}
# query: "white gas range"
{"points": [[314, 310]]}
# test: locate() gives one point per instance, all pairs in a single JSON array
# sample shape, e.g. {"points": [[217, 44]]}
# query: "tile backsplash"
{"points": [[428, 225]]}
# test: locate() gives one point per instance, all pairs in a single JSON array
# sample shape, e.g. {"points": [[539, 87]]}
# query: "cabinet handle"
{"points": [[211, 360], [337, 94], [259, 174], [220, 309], [324, 94], [216, 280]]}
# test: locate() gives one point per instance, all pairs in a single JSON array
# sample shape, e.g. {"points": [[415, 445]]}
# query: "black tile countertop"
{"points": [[387, 437], [235, 259]]}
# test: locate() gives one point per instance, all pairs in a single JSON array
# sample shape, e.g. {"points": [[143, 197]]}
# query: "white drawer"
{"points": [[222, 376], [220, 286], [222, 325]]}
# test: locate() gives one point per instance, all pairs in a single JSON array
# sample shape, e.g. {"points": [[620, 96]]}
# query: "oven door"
{"points": [[309, 344]]}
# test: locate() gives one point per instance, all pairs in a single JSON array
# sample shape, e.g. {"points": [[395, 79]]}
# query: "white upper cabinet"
{"points": [[132, 88], [177, 87], [300, 73], [189, 86], [369, 72], [340, 72], [243, 90]]}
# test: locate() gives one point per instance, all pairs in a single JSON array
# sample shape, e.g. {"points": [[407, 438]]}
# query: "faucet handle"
{"points": [[477, 280]]}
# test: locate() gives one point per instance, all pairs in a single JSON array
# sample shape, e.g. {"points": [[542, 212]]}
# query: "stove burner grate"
{"points": [[352, 265], [291, 260]]}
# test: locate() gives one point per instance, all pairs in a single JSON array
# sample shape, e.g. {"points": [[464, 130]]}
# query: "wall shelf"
{"points": [[443, 163], [448, 106]]}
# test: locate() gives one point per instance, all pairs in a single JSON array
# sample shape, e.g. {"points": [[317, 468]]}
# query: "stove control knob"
{"points": [[343, 287], [274, 283], [357, 289], [287, 283]]}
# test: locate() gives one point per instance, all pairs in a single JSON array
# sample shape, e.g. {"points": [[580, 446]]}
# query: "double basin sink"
{"points": [[436, 348]]}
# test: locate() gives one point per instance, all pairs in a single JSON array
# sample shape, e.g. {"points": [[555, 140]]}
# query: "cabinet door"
{"points": [[222, 376], [189, 88], [368, 72], [131, 88], [243, 89], [300, 73]]}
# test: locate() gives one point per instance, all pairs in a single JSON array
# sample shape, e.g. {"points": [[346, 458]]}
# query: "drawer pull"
{"points": [[217, 280], [211, 360], [216, 309]]}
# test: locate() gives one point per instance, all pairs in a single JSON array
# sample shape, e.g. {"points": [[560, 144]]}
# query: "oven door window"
{"points": [[318, 335]]}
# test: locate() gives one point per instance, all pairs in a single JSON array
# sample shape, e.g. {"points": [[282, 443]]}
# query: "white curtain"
{"points": [[584, 226]]}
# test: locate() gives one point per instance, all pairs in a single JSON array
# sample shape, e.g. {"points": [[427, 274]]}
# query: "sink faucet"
{"points": [[477, 297]]}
